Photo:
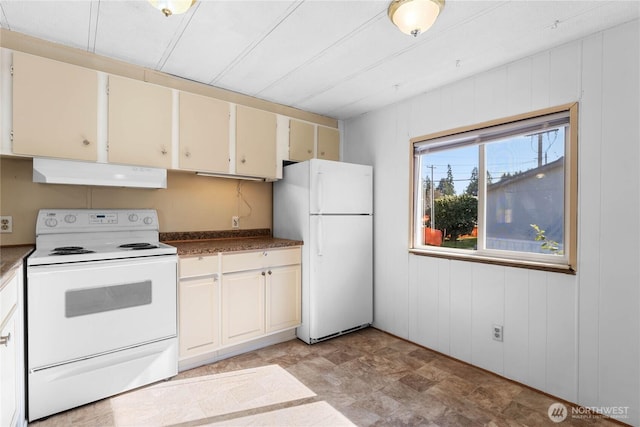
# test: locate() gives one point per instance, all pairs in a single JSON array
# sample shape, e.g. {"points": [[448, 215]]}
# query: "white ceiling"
{"points": [[332, 57]]}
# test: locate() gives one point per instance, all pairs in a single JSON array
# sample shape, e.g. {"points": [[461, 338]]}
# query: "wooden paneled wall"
{"points": [[575, 337]]}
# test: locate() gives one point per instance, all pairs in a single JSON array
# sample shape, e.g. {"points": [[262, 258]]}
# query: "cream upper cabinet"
{"points": [[204, 133], [255, 142], [199, 305], [55, 109], [140, 123], [328, 143], [301, 140]]}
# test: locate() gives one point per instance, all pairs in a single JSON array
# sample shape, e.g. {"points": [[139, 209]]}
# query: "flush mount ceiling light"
{"points": [[172, 7], [414, 16]]}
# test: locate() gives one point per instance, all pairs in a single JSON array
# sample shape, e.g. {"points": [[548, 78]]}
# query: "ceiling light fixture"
{"points": [[414, 16], [172, 7]]}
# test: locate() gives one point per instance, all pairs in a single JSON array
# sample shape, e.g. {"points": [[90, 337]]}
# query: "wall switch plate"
{"points": [[6, 224], [235, 222], [497, 332]]}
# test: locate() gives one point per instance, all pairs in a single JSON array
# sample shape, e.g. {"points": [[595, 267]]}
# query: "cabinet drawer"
{"points": [[8, 298], [198, 266], [260, 259]]}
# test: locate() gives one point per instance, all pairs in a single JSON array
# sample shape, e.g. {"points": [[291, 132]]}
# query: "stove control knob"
{"points": [[70, 219], [133, 218], [51, 222], [148, 220]]}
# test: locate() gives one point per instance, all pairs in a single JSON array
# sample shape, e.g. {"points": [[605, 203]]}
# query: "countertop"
{"points": [[213, 242], [12, 257]]}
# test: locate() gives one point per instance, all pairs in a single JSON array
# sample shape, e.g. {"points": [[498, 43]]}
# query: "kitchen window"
{"points": [[502, 192]]}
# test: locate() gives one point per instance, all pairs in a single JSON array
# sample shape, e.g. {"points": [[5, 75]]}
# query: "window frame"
{"points": [[568, 263]]}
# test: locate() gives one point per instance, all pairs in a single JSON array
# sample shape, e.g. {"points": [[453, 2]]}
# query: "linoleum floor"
{"points": [[373, 379]]}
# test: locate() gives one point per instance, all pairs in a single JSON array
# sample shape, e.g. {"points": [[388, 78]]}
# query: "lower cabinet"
{"points": [[8, 385], [11, 355], [283, 298], [199, 305], [258, 293], [243, 306]]}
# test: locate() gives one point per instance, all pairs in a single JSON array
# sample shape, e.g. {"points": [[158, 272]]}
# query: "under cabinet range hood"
{"points": [[54, 171]]}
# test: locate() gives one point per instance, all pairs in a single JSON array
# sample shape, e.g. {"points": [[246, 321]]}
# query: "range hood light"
{"points": [[229, 176]]}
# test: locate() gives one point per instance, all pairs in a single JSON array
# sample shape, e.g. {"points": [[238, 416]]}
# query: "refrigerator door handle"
{"points": [[320, 235], [319, 192]]}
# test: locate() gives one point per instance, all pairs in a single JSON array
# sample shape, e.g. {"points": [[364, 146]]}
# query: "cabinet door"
{"points": [[204, 134], [8, 375], [139, 123], [55, 109], [255, 142], [283, 299], [242, 306], [328, 143], [198, 317], [301, 140]]}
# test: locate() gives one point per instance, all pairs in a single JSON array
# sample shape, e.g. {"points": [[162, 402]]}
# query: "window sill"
{"points": [[531, 265]]}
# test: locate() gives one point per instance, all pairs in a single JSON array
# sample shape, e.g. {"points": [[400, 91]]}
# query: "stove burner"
{"points": [[70, 250], [138, 246]]}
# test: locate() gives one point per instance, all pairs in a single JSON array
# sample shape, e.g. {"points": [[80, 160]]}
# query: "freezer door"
{"points": [[340, 188], [341, 279]]}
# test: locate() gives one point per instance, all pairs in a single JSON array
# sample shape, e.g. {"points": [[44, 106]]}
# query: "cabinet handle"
{"points": [[187, 154], [4, 340], [309, 151], [269, 272], [163, 151], [243, 161], [265, 253], [263, 273], [322, 153], [86, 142]]}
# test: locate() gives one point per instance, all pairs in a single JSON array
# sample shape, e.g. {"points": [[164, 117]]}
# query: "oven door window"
{"points": [[106, 298]]}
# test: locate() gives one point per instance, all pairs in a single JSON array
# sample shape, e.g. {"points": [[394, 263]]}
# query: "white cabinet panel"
{"points": [[242, 306], [283, 298], [8, 374], [199, 324]]}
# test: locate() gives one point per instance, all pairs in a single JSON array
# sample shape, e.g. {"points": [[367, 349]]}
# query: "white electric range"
{"points": [[101, 307]]}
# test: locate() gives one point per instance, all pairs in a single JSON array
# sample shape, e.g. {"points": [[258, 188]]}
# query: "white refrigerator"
{"points": [[329, 206]]}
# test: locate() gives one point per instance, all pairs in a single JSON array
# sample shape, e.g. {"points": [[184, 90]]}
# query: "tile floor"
{"points": [[374, 379]]}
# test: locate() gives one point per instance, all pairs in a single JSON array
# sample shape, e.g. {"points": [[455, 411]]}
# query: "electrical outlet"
{"points": [[496, 332], [6, 224], [235, 222]]}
